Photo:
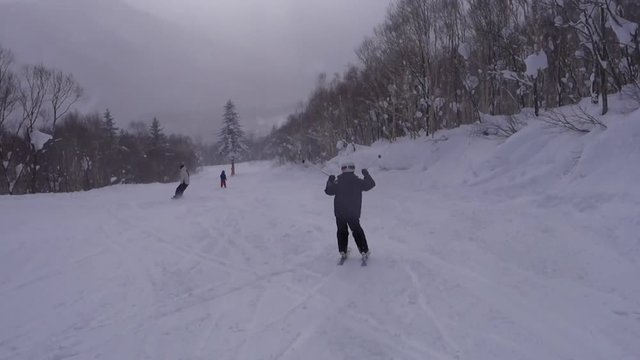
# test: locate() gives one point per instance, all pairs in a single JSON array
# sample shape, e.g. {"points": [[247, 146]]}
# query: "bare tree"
{"points": [[592, 21], [36, 83], [8, 100], [64, 93], [8, 88], [436, 64]]}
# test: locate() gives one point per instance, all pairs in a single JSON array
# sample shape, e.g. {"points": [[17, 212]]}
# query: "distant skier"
{"points": [[223, 180], [184, 181], [347, 205]]}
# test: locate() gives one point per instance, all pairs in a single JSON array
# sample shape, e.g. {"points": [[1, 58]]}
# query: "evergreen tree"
{"points": [[109, 126], [109, 154], [231, 143], [156, 166], [156, 134]]}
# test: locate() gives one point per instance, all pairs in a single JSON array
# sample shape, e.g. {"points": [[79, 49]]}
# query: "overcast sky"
{"points": [[264, 54], [291, 40]]}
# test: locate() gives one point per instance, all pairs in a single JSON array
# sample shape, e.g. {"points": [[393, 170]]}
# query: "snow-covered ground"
{"points": [[482, 249]]}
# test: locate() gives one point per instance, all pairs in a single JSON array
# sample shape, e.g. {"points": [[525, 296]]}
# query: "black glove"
{"points": [[332, 178], [365, 172]]}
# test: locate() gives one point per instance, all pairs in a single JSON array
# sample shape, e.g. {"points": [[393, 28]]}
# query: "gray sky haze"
{"points": [[287, 38], [263, 54]]}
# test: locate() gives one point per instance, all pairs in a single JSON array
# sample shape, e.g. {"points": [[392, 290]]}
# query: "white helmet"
{"points": [[348, 166]]}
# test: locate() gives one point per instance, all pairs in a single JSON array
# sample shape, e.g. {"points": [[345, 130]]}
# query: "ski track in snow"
{"points": [[249, 272]]}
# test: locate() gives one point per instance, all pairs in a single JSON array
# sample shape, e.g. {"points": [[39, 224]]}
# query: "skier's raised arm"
{"points": [[330, 189], [367, 182]]}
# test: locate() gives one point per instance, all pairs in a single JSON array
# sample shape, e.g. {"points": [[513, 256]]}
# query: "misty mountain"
{"points": [[137, 64]]}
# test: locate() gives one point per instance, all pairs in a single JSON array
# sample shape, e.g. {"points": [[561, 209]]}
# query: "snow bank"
{"points": [[537, 158], [611, 158]]}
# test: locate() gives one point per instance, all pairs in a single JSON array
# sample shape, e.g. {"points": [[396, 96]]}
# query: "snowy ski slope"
{"points": [[482, 249]]}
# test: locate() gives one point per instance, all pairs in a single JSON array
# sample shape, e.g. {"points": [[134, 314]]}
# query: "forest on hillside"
{"points": [[46, 145], [438, 64]]}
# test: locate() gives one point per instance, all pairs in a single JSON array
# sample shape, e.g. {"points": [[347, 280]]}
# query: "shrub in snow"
{"points": [[577, 119], [500, 126]]}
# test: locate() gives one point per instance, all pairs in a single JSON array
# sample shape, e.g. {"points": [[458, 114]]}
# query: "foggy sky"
{"points": [[265, 55], [291, 41]]}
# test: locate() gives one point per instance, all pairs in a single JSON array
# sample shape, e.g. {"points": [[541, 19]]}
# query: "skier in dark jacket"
{"points": [[223, 180], [347, 204]]}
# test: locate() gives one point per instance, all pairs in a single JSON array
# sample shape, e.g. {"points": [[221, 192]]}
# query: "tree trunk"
{"points": [[604, 61], [536, 103]]}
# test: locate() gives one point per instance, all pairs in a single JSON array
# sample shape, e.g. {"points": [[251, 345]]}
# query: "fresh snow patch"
{"points": [[39, 139], [535, 63], [625, 30], [464, 50]]}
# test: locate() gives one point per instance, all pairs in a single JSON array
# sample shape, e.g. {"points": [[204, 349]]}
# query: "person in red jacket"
{"points": [[347, 204]]}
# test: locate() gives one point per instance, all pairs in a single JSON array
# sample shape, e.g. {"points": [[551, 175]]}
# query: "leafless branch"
{"points": [[33, 90], [8, 86], [503, 126], [579, 120], [65, 92]]}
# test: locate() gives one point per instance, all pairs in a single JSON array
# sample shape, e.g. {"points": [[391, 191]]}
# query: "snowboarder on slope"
{"points": [[223, 180], [347, 205], [184, 181]]}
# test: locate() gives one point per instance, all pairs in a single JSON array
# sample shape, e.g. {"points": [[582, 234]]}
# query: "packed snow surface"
{"points": [[482, 249]]}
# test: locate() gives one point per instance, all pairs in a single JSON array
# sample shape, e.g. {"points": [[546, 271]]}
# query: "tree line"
{"points": [[47, 146], [438, 64]]}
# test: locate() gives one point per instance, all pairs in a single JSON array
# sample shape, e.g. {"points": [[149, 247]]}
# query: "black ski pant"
{"points": [[358, 234], [180, 189]]}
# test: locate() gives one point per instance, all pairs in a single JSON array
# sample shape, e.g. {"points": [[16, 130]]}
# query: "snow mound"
{"points": [[537, 158]]}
